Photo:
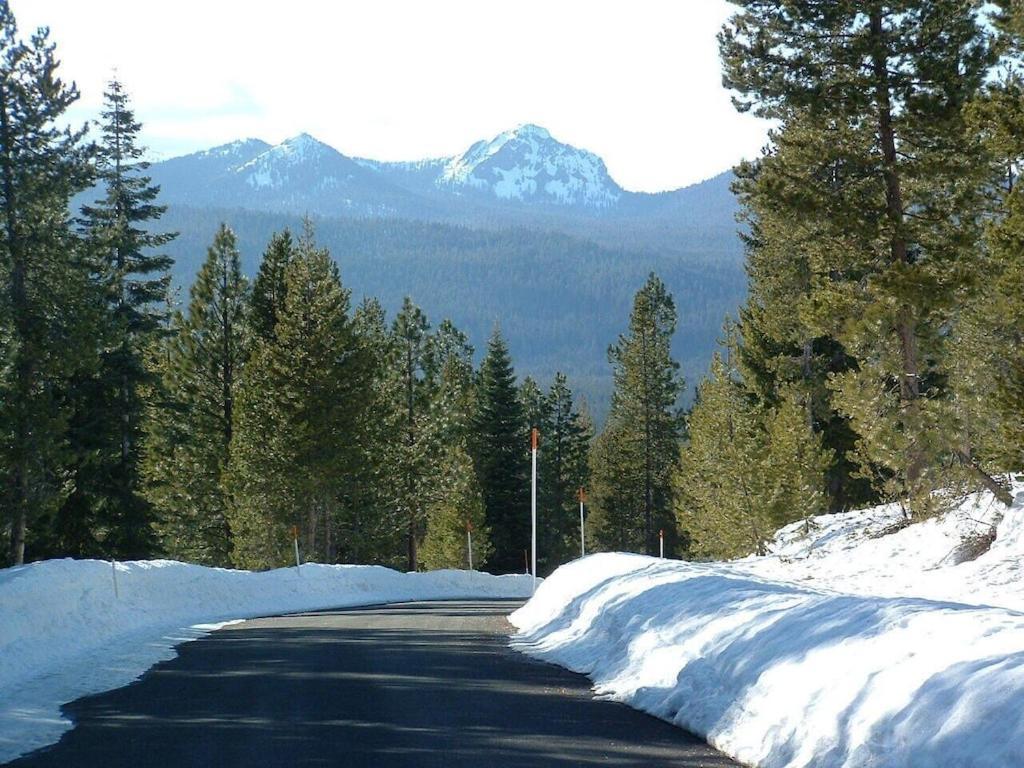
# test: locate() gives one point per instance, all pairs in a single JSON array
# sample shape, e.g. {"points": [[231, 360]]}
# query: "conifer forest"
{"points": [[878, 354]]}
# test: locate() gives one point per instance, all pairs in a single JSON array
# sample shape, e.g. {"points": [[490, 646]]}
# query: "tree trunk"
{"points": [[228, 382], [998, 490], [411, 441], [905, 324], [648, 471]]}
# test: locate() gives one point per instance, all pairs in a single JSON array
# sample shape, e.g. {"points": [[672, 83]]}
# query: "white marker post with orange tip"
{"points": [[534, 438], [583, 544]]}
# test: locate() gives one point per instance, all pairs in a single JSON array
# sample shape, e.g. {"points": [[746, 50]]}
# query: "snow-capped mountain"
{"points": [[507, 177], [527, 164], [298, 160], [522, 165], [301, 174], [520, 178]]}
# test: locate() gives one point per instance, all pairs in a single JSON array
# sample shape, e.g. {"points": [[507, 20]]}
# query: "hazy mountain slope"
{"points": [[522, 177]]}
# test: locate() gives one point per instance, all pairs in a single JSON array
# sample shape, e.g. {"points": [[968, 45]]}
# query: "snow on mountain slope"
{"points": [[528, 164], [842, 649], [521, 175], [66, 633], [299, 160]]}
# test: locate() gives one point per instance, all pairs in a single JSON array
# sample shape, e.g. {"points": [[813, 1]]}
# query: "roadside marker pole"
{"points": [[534, 434], [295, 541], [469, 543], [661, 540], [113, 573], [583, 544]]}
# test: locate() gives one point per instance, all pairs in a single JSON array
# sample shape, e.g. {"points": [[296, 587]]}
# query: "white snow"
{"points": [[273, 168], [515, 164], [839, 649], [64, 634]]}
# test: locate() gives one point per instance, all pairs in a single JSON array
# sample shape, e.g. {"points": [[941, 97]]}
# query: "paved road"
{"points": [[416, 685]]}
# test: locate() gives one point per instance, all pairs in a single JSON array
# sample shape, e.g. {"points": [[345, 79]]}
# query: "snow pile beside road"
{"points": [[848, 553], [839, 650], [64, 634]]}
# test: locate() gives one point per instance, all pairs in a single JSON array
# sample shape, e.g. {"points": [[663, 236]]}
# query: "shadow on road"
{"points": [[408, 685]]}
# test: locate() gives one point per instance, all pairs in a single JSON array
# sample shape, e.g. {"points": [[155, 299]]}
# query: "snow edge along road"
{"points": [[64, 634], [780, 675]]}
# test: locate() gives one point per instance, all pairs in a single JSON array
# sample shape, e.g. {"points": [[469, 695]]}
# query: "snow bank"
{"points": [[838, 650], [64, 634]]}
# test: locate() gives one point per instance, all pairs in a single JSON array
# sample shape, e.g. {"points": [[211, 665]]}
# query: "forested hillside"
{"points": [[560, 300]]}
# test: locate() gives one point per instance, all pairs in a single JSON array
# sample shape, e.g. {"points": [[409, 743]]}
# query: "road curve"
{"points": [[411, 685]]}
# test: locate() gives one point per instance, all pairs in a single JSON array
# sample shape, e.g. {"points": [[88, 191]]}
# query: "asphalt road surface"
{"points": [[414, 685]]}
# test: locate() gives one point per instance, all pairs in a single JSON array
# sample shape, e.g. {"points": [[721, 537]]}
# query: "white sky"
{"points": [[636, 81]]}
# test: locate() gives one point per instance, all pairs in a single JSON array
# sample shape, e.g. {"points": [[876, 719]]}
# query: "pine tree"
{"points": [[298, 410], [873, 95], [43, 328], [720, 485], [368, 525], [410, 387], [458, 503], [134, 280], [562, 468], [453, 492], [989, 335], [500, 448], [782, 348], [269, 286], [567, 448], [205, 361], [636, 454], [747, 468]]}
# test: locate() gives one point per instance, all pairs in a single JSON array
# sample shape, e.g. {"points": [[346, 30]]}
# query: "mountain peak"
{"points": [[303, 144], [528, 164], [532, 130]]}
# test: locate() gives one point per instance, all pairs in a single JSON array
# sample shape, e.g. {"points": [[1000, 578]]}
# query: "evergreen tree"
{"points": [[134, 280], [988, 341], [185, 468], [500, 448], [562, 468], [566, 452], [720, 487], [637, 452], [454, 493], [873, 95], [782, 348], [457, 504], [298, 410], [269, 286], [411, 452], [44, 293], [369, 527], [747, 468]]}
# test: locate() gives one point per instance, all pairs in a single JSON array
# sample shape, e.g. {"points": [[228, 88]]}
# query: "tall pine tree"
{"points": [[44, 293], [877, 93], [638, 450], [134, 278], [454, 498], [297, 414], [410, 388], [269, 286], [500, 447], [189, 443]]}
